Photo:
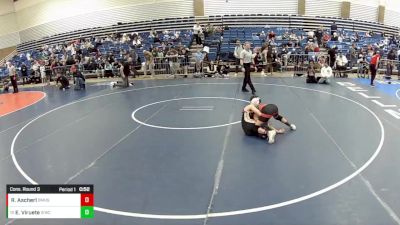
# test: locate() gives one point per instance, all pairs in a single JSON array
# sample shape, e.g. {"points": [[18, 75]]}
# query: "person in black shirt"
{"points": [[124, 71], [391, 57], [319, 34], [64, 83], [79, 81], [333, 28], [311, 73], [70, 61], [185, 60], [332, 56], [24, 73], [398, 69]]}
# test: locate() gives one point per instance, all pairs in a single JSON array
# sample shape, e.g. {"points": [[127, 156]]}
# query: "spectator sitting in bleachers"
{"points": [[137, 42], [326, 38], [294, 39], [340, 38], [286, 36], [310, 34], [209, 30], [355, 37], [125, 38], [314, 47], [155, 36], [335, 37], [262, 35], [271, 35]]}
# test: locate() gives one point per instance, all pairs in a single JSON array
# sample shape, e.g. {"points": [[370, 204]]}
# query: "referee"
{"points": [[246, 58]]}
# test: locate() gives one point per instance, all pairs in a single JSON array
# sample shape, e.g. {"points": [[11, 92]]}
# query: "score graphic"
{"points": [[50, 201]]}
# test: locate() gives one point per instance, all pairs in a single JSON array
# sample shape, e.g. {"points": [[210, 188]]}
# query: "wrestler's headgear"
{"points": [[270, 110]]}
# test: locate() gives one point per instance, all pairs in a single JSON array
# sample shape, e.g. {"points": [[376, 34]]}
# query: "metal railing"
{"points": [[303, 64], [169, 66], [174, 66]]}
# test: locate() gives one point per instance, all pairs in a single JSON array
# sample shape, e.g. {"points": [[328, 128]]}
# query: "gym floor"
{"points": [[173, 152]]}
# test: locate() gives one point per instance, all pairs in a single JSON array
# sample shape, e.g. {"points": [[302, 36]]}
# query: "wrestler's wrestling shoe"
{"points": [[293, 127], [271, 136]]}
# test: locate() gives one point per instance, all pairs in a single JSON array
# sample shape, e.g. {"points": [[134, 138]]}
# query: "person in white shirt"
{"points": [[73, 51], [341, 60], [326, 74], [398, 65], [136, 42], [341, 64], [340, 38], [42, 69], [236, 53], [197, 30], [310, 34], [13, 76], [35, 68], [246, 59]]}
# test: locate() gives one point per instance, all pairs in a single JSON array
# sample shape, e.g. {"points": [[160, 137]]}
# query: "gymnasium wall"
{"points": [[6, 7], [55, 16], [392, 12], [28, 20], [227, 7], [40, 18], [366, 10]]}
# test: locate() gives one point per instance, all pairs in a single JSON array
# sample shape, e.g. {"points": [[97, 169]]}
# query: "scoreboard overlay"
{"points": [[50, 201]]}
